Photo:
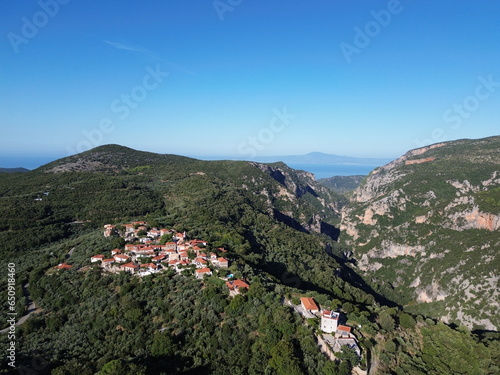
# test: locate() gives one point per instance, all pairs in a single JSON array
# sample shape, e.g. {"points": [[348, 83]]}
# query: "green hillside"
{"points": [[342, 184], [276, 224]]}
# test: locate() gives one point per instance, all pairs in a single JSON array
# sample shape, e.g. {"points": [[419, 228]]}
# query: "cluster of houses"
{"points": [[177, 254], [146, 255], [337, 335]]}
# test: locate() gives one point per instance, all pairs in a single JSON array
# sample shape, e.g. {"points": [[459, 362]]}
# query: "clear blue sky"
{"points": [[424, 71]]}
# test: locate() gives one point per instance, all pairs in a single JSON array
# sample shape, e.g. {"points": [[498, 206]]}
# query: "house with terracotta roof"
{"points": [[116, 251], [236, 285], [145, 254], [170, 246], [109, 230], [309, 304], [149, 268], [64, 266], [196, 249], [173, 263], [121, 258], [154, 233], [222, 262], [107, 262], [130, 247], [202, 272], [158, 258], [129, 229], [344, 331], [97, 258], [200, 262], [165, 231], [130, 267]]}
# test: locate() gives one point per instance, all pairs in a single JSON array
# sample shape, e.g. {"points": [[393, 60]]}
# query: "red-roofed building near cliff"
{"points": [[309, 304], [344, 331]]}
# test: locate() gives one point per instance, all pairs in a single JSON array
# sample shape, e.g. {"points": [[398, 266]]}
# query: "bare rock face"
{"points": [[294, 186], [434, 211]]}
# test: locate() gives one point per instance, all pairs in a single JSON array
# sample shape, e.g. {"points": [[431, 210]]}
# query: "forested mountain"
{"points": [[280, 229], [13, 170], [424, 230], [342, 184]]}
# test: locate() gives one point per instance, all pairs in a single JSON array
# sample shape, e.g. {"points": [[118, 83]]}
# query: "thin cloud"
{"points": [[151, 54], [127, 47]]}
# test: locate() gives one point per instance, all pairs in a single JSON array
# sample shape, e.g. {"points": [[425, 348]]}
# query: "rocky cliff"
{"points": [[424, 230]]}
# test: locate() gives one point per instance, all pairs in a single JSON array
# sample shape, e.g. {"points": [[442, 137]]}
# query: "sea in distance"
{"points": [[319, 170], [330, 170]]}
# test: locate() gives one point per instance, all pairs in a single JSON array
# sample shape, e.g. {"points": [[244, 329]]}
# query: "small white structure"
{"points": [[329, 321]]}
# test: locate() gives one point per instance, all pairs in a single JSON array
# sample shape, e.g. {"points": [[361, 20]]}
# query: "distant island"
{"points": [[320, 164], [13, 170]]}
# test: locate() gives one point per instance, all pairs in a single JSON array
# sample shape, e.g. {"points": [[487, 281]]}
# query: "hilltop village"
{"points": [[146, 253], [150, 251]]}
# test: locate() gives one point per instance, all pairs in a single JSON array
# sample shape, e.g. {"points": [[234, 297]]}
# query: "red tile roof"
{"points": [[130, 265], [100, 256], [309, 303], [344, 328], [64, 266], [328, 314], [150, 265], [236, 284], [203, 270]]}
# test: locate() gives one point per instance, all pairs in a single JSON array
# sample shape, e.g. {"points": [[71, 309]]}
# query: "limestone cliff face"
{"points": [[435, 212], [303, 203]]}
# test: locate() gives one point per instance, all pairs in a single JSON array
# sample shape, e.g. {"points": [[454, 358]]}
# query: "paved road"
{"points": [[70, 253], [30, 310]]}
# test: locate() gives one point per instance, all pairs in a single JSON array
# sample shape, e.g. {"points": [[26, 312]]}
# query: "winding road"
{"points": [[30, 309]]}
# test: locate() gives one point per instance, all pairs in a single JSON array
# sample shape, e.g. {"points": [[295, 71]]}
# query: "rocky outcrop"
{"points": [[419, 161], [418, 217]]}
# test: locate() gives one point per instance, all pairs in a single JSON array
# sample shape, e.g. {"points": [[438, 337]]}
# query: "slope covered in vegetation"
{"points": [[277, 225], [424, 231]]}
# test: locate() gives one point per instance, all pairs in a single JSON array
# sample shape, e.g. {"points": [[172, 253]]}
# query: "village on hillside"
{"points": [[144, 254]]}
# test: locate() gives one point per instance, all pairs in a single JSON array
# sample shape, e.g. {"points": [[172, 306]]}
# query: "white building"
{"points": [[329, 321]]}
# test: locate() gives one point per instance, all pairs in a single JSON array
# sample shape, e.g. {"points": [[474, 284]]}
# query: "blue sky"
{"points": [[255, 78]]}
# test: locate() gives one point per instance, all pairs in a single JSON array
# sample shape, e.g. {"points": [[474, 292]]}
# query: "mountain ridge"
{"points": [[435, 207]]}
